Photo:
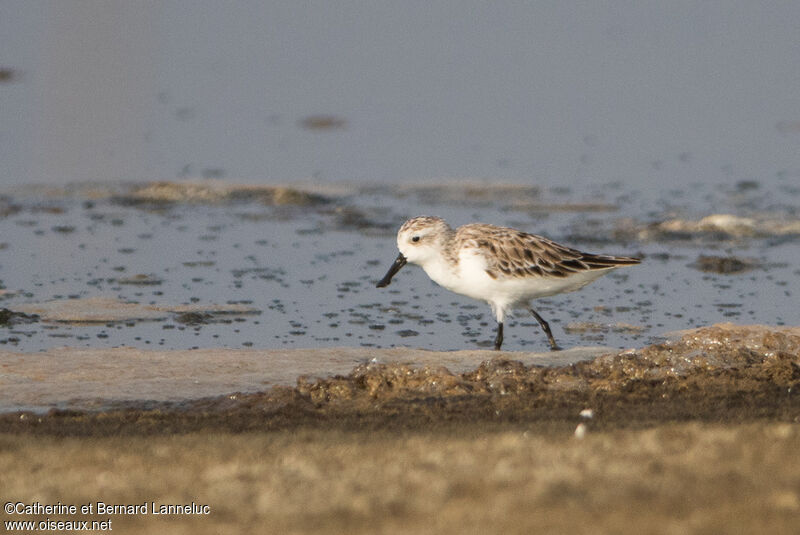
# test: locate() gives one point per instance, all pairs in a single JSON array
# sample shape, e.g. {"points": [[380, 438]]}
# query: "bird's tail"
{"points": [[602, 261]]}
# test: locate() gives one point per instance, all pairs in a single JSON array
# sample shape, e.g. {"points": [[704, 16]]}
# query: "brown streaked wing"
{"points": [[513, 253]]}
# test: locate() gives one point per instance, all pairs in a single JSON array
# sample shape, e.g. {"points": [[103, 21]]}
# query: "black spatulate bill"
{"points": [[399, 262]]}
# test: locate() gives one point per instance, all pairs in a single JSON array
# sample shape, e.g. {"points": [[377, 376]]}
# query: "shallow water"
{"points": [[305, 273], [658, 96]]}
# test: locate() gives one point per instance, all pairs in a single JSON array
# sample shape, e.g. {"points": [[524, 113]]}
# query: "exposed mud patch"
{"points": [[216, 192], [724, 225], [726, 265], [107, 309]]}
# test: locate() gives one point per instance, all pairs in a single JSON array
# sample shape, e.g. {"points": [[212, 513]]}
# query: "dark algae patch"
{"points": [[10, 317]]}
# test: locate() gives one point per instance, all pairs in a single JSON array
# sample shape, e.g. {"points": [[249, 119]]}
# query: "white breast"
{"points": [[469, 277]]}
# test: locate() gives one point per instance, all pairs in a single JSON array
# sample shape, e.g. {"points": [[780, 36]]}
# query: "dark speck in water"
{"points": [[193, 318], [405, 333]]}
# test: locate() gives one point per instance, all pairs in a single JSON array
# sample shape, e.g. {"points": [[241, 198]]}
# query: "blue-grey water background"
{"points": [[646, 111]]}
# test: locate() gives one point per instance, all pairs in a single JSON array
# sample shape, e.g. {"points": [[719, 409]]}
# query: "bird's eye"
{"points": [[415, 239]]}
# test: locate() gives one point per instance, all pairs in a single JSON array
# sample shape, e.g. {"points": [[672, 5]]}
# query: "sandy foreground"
{"points": [[696, 435]]}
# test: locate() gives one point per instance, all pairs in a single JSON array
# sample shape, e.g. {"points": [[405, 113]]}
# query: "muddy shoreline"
{"points": [[723, 373]]}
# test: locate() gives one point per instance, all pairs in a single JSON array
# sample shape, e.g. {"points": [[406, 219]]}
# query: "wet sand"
{"points": [[699, 434]]}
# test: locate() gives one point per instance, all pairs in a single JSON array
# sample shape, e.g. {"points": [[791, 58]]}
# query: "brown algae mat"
{"points": [[696, 435]]}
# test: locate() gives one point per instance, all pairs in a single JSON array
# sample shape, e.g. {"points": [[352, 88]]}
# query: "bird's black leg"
{"points": [[546, 329], [499, 340]]}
